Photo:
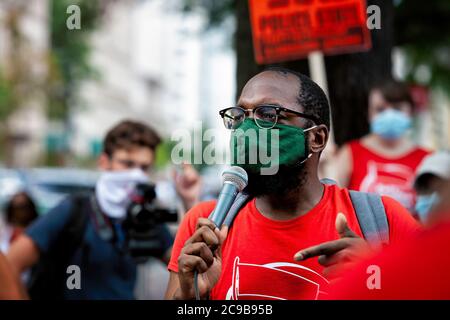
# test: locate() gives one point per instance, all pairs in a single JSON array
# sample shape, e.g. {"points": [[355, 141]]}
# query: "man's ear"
{"points": [[104, 162], [318, 138]]}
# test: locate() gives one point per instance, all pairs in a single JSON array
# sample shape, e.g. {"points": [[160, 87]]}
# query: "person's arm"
{"points": [[187, 228], [184, 232], [173, 286], [201, 253], [23, 254], [339, 255], [341, 170], [10, 287], [188, 185], [39, 237]]}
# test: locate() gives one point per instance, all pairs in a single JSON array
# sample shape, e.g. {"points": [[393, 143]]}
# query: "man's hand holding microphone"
{"points": [[201, 254]]}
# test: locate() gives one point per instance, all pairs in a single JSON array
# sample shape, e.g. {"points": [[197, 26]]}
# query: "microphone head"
{"points": [[235, 175]]}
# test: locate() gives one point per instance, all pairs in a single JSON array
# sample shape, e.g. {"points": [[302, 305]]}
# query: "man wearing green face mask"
{"points": [[280, 126], [271, 152]]}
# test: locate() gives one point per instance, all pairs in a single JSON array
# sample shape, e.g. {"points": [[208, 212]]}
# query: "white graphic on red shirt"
{"points": [[275, 281], [390, 179]]}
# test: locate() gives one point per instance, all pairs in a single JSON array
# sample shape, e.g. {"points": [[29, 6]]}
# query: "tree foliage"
{"points": [[69, 57], [67, 61], [420, 29], [15, 81], [5, 98], [423, 31], [217, 10]]}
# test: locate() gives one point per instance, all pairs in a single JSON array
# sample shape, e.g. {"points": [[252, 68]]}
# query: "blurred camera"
{"points": [[144, 223]]}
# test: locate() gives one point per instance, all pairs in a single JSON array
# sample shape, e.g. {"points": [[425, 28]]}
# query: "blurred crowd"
{"points": [[122, 239]]}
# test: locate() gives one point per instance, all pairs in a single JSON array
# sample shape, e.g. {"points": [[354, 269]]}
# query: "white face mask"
{"points": [[114, 188]]}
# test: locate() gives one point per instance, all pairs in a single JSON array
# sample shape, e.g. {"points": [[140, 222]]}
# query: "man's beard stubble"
{"points": [[288, 179]]}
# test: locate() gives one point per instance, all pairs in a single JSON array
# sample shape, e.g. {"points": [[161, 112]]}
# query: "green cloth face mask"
{"points": [[262, 151]]}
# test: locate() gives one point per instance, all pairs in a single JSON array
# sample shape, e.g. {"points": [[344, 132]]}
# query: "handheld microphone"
{"points": [[235, 179]]}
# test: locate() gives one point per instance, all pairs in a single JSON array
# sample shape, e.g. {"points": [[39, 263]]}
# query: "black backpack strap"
{"points": [[48, 276], [77, 224], [371, 216]]}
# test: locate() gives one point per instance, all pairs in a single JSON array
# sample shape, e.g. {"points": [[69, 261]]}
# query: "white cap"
{"points": [[437, 164]]}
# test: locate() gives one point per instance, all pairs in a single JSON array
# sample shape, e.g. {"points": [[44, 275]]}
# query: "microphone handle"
{"points": [[226, 198]]}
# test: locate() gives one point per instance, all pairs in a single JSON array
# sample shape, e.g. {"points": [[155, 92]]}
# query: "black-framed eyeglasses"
{"points": [[265, 116]]}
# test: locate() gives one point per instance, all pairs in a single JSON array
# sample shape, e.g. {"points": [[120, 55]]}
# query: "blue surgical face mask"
{"points": [[391, 124], [424, 204]]}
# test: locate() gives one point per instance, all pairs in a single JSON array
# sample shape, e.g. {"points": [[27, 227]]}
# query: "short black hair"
{"points": [[310, 96], [28, 206]]}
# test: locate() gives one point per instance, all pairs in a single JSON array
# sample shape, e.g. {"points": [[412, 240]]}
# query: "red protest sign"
{"points": [[290, 29]]}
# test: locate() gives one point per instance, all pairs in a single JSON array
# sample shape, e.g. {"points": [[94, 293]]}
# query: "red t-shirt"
{"points": [[257, 255], [392, 177], [416, 269]]}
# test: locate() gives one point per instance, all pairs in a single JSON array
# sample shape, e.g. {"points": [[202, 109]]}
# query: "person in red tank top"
{"points": [[384, 161], [270, 250]]}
